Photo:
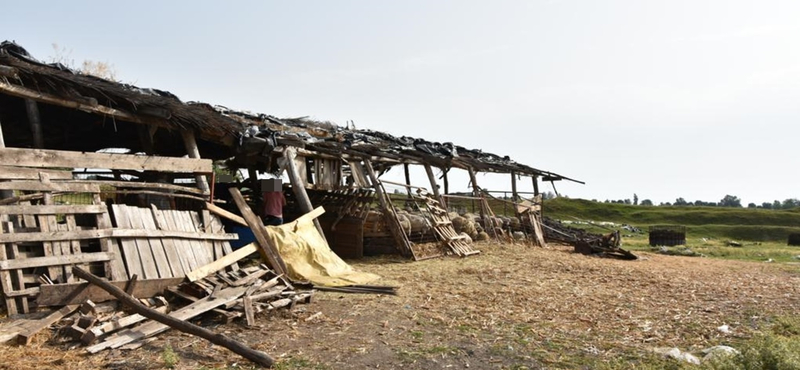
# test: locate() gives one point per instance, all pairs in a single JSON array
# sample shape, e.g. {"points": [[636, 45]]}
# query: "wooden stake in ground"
{"points": [[256, 356]]}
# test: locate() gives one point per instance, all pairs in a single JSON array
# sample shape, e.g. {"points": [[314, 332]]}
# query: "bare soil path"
{"points": [[513, 307]]}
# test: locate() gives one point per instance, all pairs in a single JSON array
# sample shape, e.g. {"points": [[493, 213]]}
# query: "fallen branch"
{"points": [[256, 356]]}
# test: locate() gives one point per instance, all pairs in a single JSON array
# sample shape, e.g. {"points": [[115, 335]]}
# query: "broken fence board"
{"points": [[112, 161], [27, 334], [58, 260], [23, 173], [223, 262], [76, 293], [51, 209], [151, 328], [124, 233]]}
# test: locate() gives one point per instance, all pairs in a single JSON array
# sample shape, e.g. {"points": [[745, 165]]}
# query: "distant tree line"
{"points": [[727, 201]]}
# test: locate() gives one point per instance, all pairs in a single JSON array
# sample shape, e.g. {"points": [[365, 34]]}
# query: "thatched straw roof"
{"points": [[22, 76]]}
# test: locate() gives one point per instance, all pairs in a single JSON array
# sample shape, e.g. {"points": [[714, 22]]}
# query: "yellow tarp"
{"points": [[308, 256]]}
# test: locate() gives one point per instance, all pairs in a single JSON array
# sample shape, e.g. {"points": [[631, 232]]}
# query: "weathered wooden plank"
{"points": [[153, 327], [184, 222], [115, 269], [184, 246], [54, 272], [130, 249], [223, 262], [57, 236], [57, 260], [160, 262], [49, 186], [5, 277], [115, 324], [51, 209], [24, 173], [142, 185], [172, 246], [206, 248], [26, 335], [168, 244], [61, 158], [270, 253], [76, 293]]}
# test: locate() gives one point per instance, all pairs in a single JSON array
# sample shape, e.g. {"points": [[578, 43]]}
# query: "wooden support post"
{"points": [[403, 244], [446, 183], [435, 186], [535, 180], [554, 187], [36, 123], [269, 252], [408, 180], [488, 224], [239, 348], [191, 149], [514, 195], [298, 186]]}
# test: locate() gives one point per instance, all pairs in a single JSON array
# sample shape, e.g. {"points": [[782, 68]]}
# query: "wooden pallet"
{"points": [[443, 226], [40, 243]]}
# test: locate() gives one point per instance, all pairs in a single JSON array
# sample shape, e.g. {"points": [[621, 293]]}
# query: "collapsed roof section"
{"points": [[246, 135]]}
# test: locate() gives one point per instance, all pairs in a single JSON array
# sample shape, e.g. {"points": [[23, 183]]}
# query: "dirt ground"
{"points": [[512, 307]]}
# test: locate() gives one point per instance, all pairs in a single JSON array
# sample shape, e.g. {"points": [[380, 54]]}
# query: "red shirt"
{"points": [[273, 203]]}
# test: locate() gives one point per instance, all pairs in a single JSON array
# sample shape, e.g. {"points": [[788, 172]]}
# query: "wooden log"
{"points": [[62, 158], [298, 186], [191, 148], [255, 356], [269, 252]]}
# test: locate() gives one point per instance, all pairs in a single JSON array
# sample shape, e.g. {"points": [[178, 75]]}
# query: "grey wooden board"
{"points": [[150, 328], [168, 244], [130, 249]]}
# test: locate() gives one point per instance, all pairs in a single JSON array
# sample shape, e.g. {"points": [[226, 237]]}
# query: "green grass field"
{"points": [[762, 233]]}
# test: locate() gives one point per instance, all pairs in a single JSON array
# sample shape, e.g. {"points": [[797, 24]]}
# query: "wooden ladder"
{"points": [[443, 227]]}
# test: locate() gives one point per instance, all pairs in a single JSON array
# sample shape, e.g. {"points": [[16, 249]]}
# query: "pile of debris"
{"points": [[584, 242]]}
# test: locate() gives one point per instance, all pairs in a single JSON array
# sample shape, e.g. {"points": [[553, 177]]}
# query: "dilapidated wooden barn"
{"points": [[119, 178]]}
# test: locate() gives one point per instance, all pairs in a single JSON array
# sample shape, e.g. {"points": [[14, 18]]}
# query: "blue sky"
{"points": [[693, 99]]}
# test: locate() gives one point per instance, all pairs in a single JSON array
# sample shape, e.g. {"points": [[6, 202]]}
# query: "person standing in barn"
{"points": [[272, 195]]}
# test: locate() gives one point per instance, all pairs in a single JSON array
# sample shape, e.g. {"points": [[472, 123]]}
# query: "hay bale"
{"points": [[482, 236], [452, 215]]}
